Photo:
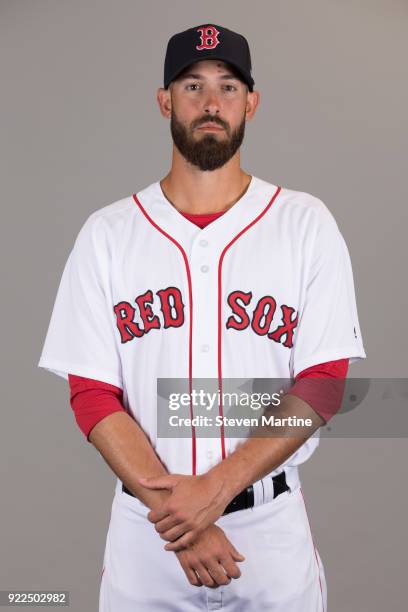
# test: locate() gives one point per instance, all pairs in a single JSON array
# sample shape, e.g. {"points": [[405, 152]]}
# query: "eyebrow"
{"points": [[196, 75]]}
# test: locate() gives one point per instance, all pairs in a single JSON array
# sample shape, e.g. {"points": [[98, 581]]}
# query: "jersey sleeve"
{"points": [[81, 335], [328, 328]]}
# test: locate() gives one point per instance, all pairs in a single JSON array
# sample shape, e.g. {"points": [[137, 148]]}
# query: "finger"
{"points": [[166, 525], [204, 576], [236, 555], [218, 574], [185, 540], [176, 532], [230, 567], [190, 573], [192, 577], [158, 515], [157, 483]]}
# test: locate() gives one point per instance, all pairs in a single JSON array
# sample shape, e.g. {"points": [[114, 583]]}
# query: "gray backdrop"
{"points": [[80, 128]]}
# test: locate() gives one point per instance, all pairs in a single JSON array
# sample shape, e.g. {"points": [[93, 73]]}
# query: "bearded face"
{"points": [[206, 150]]}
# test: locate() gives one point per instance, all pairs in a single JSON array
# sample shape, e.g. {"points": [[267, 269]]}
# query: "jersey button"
{"points": [[204, 268], [203, 243], [205, 348]]}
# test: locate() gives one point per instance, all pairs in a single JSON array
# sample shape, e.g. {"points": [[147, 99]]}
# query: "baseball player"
{"points": [[209, 273]]}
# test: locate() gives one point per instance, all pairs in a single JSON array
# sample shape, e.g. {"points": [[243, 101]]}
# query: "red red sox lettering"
{"points": [[171, 304]]}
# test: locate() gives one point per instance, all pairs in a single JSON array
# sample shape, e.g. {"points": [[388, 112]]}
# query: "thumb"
{"points": [[236, 555], [161, 482]]}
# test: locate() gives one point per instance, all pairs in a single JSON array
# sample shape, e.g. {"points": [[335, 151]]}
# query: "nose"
{"points": [[212, 103]]}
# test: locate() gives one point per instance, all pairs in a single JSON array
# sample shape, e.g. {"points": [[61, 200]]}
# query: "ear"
{"points": [[253, 99], [164, 101]]}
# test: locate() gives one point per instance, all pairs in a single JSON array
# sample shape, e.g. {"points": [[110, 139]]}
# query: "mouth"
{"points": [[211, 127]]}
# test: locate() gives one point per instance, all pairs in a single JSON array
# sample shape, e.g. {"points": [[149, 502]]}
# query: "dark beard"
{"points": [[207, 153]]}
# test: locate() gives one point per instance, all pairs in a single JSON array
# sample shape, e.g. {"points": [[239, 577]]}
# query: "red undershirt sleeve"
{"points": [[325, 398], [92, 400]]}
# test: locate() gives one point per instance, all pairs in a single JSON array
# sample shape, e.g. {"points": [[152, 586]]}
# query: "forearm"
{"points": [[126, 449], [258, 456]]}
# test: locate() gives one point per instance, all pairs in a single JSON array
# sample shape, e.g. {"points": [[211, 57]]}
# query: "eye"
{"points": [[232, 87], [192, 85]]}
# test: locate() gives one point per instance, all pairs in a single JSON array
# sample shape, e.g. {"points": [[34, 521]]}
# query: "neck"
{"points": [[194, 191]]}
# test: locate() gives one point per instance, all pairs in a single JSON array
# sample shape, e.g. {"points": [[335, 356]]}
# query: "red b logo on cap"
{"points": [[208, 37]]}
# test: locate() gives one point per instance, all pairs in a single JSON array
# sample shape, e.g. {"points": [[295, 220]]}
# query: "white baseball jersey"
{"points": [[264, 291]]}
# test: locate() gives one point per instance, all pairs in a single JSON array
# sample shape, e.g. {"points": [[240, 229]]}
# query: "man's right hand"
{"points": [[212, 556]]}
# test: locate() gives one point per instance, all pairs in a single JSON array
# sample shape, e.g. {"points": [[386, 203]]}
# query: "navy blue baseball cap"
{"points": [[207, 41]]}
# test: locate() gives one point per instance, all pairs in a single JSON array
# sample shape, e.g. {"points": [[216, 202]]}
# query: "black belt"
{"points": [[245, 499]]}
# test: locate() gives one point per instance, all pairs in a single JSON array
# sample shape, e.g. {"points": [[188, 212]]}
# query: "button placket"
{"points": [[203, 264], [204, 268]]}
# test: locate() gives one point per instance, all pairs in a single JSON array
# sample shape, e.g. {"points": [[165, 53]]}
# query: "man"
{"points": [[210, 273]]}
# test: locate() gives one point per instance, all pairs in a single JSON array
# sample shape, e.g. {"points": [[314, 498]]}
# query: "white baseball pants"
{"points": [[282, 571]]}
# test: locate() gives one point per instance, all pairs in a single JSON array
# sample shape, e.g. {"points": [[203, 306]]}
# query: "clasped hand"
{"points": [[195, 503]]}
